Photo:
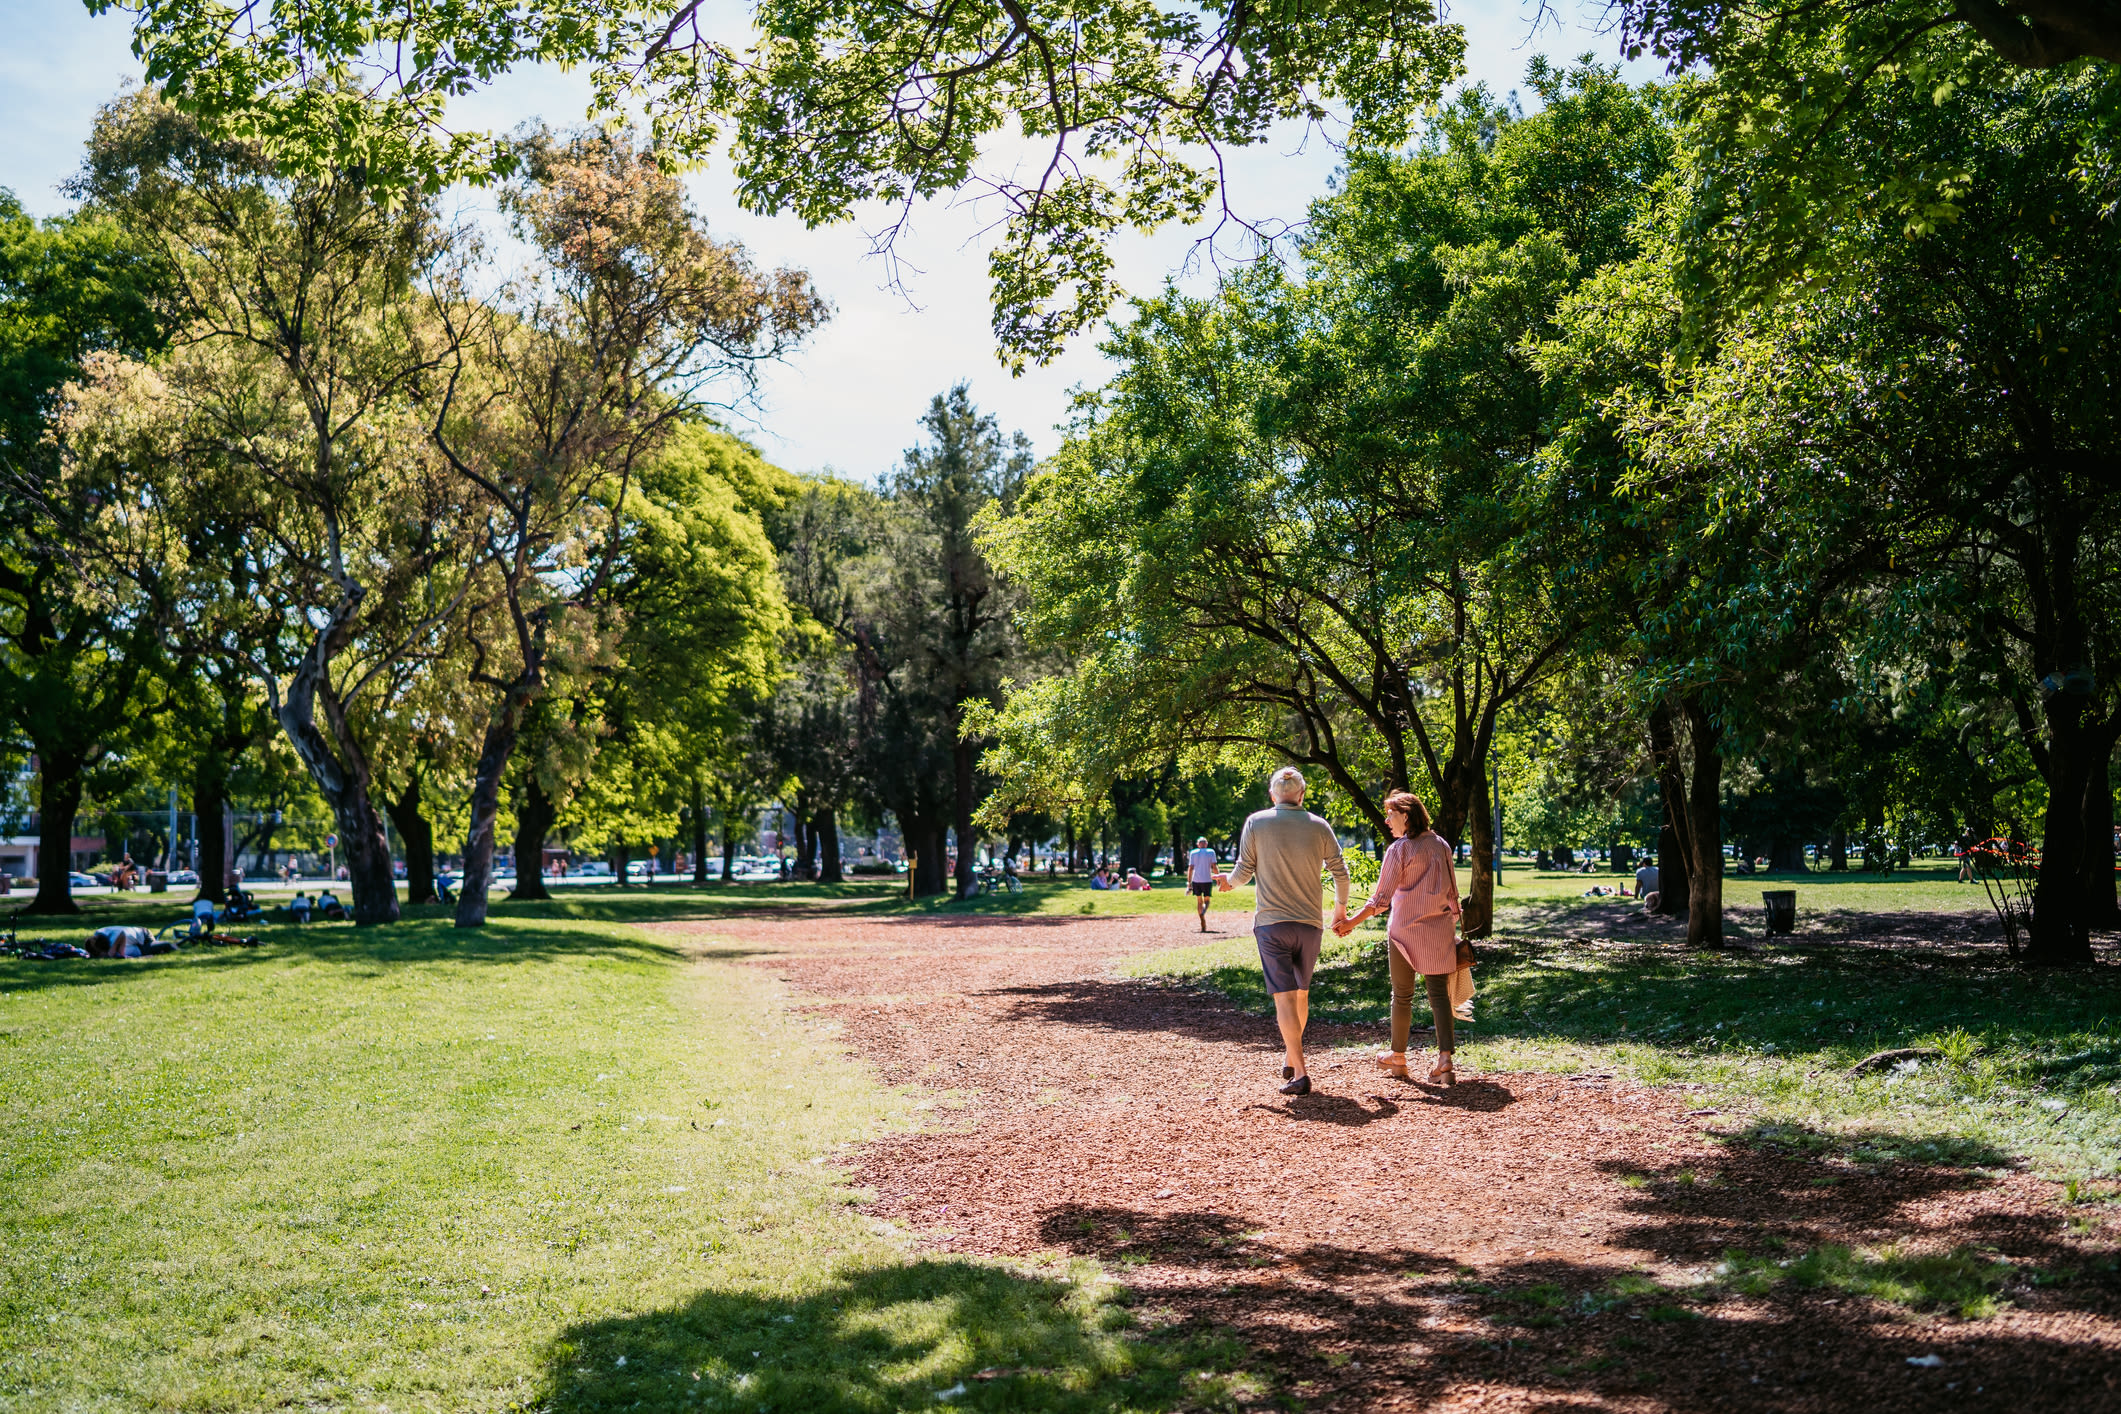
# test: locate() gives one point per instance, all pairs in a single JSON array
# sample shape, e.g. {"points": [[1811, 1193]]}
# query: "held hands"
{"points": [[1342, 924]]}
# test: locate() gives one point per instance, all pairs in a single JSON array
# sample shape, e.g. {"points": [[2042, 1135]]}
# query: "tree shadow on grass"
{"points": [[935, 1333], [1818, 1326]]}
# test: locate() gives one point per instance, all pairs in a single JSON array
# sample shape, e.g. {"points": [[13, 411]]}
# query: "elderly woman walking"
{"points": [[1417, 882]]}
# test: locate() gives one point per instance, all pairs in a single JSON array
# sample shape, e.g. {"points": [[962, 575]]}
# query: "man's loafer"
{"points": [[1301, 1085]]}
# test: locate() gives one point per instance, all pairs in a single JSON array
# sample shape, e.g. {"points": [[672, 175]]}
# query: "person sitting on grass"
{"points": [[202, 915], [328, 904], [1098, 880], [298, 906], [1135, 882]]}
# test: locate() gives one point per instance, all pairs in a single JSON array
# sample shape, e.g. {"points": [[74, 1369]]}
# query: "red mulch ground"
{"points": [[1367, 1240]]}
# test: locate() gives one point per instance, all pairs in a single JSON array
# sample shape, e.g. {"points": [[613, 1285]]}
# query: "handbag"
{"points": [[1466, 956]]}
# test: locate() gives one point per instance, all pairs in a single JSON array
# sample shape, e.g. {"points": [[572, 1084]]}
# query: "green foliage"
{"points": [[835, 105]]}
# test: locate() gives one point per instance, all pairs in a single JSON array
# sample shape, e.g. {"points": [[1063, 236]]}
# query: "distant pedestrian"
{"points": [[1284, 849], [1201, 875], [1417, 881]]}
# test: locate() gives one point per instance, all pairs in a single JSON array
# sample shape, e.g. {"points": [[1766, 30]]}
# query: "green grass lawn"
{"points": [[554, 1164]]}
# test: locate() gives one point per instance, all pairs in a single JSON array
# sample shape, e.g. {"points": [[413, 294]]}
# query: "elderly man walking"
{"points": [[1285, 849]]}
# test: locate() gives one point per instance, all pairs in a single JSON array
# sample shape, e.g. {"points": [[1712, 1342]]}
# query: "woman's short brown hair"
{"points": [[1417, 814]]}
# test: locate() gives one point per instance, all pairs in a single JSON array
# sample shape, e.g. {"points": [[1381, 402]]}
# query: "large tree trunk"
{"points": [[535, 813], [1693, 805], [1479, 918], [805, 843], [1461, 818], [2077, 754], [1837, 850], [963, 756], [930, 842], [1671, 864], [340, 770], [496, 750], [1786, 855], [728, 850], [209, 803], [419, 838], [828, 838], [1704, 833], [2102, 905], [699, 830], [58, 800]]}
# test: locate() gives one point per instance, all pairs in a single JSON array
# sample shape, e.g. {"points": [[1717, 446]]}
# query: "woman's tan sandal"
{"points": [[1443, 1074]]}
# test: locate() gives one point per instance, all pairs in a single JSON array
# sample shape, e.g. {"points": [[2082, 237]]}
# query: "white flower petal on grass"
{"points": [[1926, 1362], [945, 1395]]}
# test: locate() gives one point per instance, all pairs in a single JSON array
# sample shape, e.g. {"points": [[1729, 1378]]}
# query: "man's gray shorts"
{"points": [[1288, 952]]}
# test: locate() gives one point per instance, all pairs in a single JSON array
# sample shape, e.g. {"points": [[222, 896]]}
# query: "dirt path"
{"points": [[1387, 1245]]}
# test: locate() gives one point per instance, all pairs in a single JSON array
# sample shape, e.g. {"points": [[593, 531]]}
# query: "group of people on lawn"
{"points": [[1283, 851]]}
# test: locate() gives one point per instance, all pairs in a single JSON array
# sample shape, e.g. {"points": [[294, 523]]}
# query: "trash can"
{"points": [[1781, 909], [157, 881]]}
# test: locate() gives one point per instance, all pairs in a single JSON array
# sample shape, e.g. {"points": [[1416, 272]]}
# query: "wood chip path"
{"points": [[1384, 1245]]}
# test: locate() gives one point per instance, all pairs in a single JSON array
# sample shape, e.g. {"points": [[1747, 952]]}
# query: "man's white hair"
{"points": [[1286, 786]]}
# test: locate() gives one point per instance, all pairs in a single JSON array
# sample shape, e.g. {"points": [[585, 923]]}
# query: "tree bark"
{"points": [[419, 838], [962, 760], [621, 856], [535, 813], [1693, 808], [1837, 850], [2077, 755], [1704, 833], [209, 803], [828, 837], [1479, 919], [699, 831], [2102, 906], [930, 841], [340, 769], [496, 749], [805, 844], [1671, 865], [728, 850], [58, 800]]}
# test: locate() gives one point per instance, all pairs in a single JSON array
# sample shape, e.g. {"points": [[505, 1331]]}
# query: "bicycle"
{"points": [[997, 881]]}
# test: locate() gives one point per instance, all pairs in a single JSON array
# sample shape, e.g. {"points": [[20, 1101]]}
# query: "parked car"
{"points": [[84, 881], [593, 868], [183, 876], [640, 869]]}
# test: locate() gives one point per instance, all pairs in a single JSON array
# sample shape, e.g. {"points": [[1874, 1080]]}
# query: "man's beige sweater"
{"points": [[1285, 849]]}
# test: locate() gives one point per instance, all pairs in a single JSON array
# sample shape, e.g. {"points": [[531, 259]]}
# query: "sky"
{"points": [[850, 400]]}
